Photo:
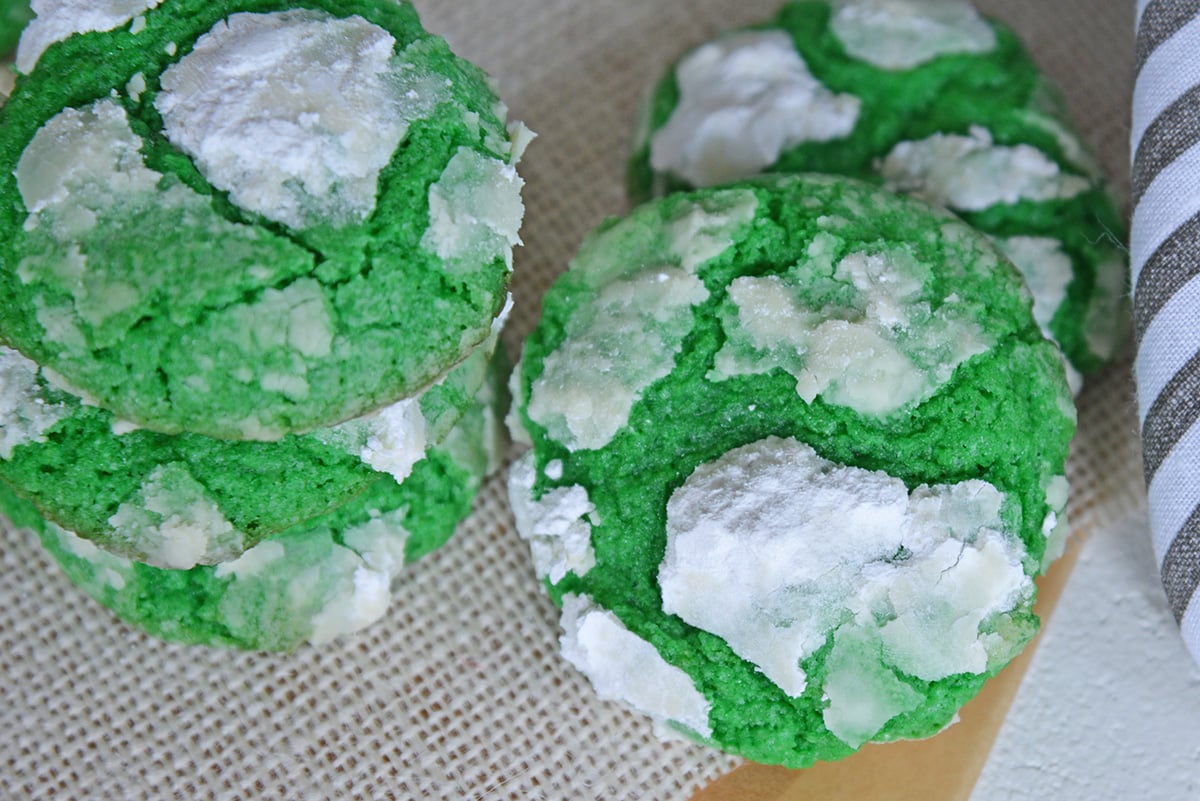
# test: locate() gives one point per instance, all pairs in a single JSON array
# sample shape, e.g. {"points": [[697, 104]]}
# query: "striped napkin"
{"points": [[1165, 262]]}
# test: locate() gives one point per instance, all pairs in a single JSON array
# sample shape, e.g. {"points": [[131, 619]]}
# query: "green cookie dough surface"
{"points": [[247, 219], [326, 578], [175, 501], [14, 14], [797, 454], [923, 96]]}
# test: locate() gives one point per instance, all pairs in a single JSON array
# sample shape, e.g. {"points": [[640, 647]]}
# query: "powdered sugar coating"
{"points": [[750, 557], [173, 522], [624, 667], [1045, 267], [363, 590], [396, 439], [475, 210], [901, 34], [296, 318], [860, 333], [557, 525], [25, 413], [104, 159], [57, 20], [294, 113], [971, 173], [107, 570], [1048, 271], [862, 694], [620, 344], [1055, 526], [743, 100]]}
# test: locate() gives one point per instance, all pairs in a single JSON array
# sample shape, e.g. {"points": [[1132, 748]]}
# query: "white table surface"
{"points": [[1110, 707]]}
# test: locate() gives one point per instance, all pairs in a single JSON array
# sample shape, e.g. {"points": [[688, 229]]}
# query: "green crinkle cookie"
{"points": [[245, 219], [798, 452], [178, 500], [311, 583], [922, 96]]}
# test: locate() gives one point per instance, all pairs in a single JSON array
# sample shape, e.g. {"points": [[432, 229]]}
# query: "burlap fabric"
{"points": [[459, 692]]}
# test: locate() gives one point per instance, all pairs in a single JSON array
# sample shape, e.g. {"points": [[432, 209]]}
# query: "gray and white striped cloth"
{"points": [[1165, 264]]}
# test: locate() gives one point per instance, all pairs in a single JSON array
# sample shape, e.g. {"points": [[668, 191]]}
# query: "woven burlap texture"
{"points": [[459, 692]]}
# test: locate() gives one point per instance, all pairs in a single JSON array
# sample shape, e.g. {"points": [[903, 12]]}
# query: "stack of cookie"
{"points": [[798, 441], [256, 261]]}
